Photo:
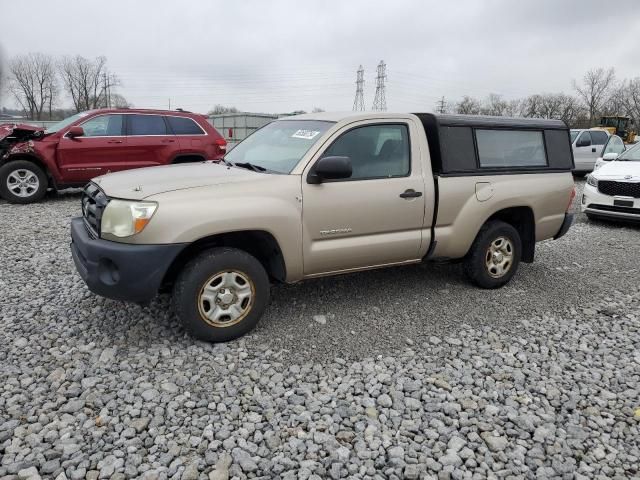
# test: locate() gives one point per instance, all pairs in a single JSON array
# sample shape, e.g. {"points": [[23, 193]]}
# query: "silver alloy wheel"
{"points": [[226, 298], [499, 257], [23, 183]]}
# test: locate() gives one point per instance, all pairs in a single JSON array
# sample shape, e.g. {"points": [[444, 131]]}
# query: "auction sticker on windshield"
{"points": [[305, 134]]}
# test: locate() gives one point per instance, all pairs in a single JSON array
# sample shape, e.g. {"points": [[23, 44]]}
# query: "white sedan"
{"points": [[613, 189]]}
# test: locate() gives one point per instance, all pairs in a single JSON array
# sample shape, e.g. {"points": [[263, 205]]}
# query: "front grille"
{"points": [[614, 208], [93, 203], [626, 189]]}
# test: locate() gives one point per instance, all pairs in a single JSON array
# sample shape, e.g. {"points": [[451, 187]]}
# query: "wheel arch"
{"points": [[258, 243], [523, 220], [33, 159]]}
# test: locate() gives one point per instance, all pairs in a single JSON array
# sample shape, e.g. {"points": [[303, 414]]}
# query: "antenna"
{"points": [[380, 101], [358, 102]]}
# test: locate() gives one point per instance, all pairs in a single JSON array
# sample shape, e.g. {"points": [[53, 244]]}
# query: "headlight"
{"points": [[123, 218], [591, 180]]}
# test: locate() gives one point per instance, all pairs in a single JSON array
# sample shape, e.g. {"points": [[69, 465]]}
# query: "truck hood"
{"points": [[618, 170], [19, 132], [144, 182]]}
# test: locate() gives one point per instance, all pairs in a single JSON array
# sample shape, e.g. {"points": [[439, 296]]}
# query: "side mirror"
{"points": [[583, 143], [75, 132], [331, 168], [610, 156]]}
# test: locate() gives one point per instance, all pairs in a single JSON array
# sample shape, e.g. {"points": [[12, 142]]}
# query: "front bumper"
{"points": [[600, 205], [120, 271]]}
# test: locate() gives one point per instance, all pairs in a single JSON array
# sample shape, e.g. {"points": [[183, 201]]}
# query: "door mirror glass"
{"points": [[331, 168], [76, 132], [610, 156]]}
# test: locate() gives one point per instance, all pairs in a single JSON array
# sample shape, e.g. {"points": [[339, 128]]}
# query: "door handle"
{"points": [[593, 149], [410, 193], [114, 141], [168, 141]]}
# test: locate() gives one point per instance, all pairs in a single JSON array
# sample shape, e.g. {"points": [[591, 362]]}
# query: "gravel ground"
{"points": [[399, 373]]}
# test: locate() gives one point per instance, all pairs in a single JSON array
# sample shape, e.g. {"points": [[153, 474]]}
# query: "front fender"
{"points": [[186, 216]]}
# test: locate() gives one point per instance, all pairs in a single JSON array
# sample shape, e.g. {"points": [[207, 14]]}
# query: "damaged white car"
{"points": [[613, 190]]}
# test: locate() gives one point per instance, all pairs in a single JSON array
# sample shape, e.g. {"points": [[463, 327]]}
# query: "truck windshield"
{"points": [[278, 146], [56, 127]]}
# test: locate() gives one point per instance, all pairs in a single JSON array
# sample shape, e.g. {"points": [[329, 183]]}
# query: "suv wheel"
{"points": [[221, 294], [494, 256], [22, 181]]}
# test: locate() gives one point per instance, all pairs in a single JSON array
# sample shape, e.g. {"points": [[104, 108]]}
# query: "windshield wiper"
{"points": [[250, 166]]}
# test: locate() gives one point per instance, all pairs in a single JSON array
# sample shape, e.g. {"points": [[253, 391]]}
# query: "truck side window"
{"points": [[376, 151], [103, 126], [510, 148], [147, 125], [598, 137]]}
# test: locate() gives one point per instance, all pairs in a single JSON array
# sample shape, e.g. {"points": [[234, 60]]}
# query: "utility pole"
{"points": [[104, 89], [358, 102], [380, 101], [442, 106]]}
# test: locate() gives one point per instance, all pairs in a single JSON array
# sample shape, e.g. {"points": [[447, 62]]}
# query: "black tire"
{"points": [[31, 170], [203, 270], [475, 264]]}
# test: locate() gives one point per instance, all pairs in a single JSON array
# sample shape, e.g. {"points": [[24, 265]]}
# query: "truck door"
{"points": [[150, 141], [103, 144], [585, 152], [376, 216]]}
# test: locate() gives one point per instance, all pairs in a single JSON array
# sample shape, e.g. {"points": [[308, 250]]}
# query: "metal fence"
{"points": [[235, 127]]}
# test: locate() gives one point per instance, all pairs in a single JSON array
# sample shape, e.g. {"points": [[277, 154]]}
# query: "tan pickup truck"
{"points": [[324, 194]]}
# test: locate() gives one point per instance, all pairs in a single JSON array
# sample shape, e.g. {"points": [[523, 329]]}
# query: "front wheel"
{"points": [[221, 294], [494, 256], [22, 181]]}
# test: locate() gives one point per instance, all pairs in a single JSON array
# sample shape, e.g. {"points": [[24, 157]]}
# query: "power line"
{"points": [[358, 102], [441, 107], [380, 101]]}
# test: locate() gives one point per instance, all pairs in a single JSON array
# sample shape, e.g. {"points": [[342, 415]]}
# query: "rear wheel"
{"points": [[22, 181], [221, 294], [494, 256]]}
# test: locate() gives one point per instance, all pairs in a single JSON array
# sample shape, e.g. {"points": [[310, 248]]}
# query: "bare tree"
{"points": [[514, 108], [632, 99], [617, 103], [118, 101], [494, 105], [595, 89], [219, 109], [86, 81], [468, 106], [33, 83]]}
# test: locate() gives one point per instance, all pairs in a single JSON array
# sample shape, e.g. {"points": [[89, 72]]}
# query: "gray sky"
{"points": [[281, 55]]}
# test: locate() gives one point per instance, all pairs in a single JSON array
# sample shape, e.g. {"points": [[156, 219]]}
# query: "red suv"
{"points": [[88, 144]]}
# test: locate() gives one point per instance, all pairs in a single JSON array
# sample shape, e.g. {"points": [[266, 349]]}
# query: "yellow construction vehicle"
{"points": [[619, 125]]}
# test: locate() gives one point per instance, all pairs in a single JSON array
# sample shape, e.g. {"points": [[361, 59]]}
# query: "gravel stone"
{"points": [[539, 382]]}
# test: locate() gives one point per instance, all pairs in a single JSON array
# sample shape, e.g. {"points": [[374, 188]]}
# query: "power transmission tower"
{"points": [[442, 106], [380, 101], [358, 102]]}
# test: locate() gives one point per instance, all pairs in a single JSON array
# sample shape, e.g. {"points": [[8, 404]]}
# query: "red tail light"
{"points": [[221, 145], [571, 197]]}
